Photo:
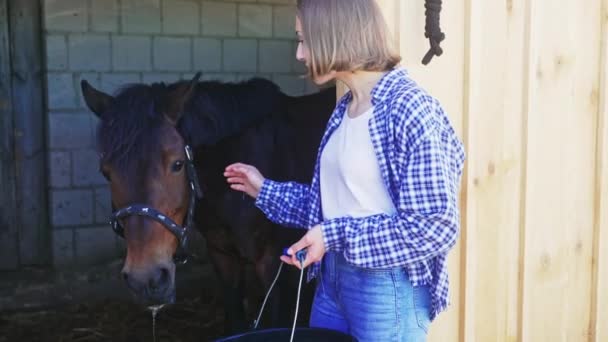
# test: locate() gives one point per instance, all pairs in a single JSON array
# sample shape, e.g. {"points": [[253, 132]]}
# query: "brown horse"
{"points": [[143, 137]]}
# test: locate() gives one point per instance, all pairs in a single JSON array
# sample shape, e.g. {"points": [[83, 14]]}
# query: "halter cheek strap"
{"points": [[180, 233]]}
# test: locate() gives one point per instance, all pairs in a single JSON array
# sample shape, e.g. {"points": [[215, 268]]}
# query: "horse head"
{"points": [[146, 162]]}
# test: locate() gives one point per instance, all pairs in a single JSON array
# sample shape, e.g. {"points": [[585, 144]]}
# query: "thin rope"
{"points": [[295, 318], [301, 256], [257, 321]]}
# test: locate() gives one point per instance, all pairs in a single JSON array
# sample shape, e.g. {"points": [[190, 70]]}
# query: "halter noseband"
{"points": [[180, 233]]}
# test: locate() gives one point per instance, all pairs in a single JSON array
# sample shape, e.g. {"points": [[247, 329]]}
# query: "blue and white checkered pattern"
{"points": [[421, 161]]}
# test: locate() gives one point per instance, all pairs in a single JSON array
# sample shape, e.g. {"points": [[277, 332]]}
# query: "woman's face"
{"points": [[303, 55]]}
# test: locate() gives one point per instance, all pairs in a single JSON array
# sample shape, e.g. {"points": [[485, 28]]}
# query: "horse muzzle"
{"points": [[153, 286]]}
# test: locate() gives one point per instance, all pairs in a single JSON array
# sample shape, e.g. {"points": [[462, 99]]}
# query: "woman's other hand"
{"points": [[245, 178], [315, 248]]}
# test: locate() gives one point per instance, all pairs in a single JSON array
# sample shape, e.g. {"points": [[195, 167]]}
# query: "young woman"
{"points": [[382, 208]]}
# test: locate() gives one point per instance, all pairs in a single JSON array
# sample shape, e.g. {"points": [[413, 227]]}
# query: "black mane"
{"points": [[218, 110], [129, 131]]}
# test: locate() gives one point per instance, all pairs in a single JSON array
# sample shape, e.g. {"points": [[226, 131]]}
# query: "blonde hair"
{"points": [[346, 35]]}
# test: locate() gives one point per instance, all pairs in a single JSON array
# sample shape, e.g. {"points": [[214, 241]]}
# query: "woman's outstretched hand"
{"points": [[245, 178]]}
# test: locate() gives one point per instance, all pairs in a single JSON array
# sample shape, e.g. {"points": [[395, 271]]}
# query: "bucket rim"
{"points": [[271, 330]]}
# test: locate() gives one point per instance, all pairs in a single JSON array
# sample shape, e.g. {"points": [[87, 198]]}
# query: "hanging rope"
{"points": [[432, 30]]}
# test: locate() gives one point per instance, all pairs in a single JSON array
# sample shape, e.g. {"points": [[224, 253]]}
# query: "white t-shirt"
{"points": [[351, 183]]}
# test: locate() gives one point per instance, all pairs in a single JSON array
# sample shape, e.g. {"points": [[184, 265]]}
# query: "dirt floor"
{"points": [[93, 305], [192, 319]]}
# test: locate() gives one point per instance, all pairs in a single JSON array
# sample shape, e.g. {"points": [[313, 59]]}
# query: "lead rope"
{"points": [[301, 256], [257, 321], [295, 317]]}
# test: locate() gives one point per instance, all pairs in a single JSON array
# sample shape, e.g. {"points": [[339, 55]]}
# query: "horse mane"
{"points": [[219, 110], [128, 135], [129, 130]]}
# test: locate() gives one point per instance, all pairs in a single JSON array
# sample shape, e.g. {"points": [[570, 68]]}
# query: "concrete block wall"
{"points": [[114, 42]]}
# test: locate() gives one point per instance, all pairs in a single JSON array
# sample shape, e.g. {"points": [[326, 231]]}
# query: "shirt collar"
{"points": [[380, 92], [382, 89]]}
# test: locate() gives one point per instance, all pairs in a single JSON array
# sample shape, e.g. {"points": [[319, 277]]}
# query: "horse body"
{"points": [[282, 147], [142, 135]]}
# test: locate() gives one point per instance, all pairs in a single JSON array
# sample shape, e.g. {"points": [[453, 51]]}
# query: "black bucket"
{"points": [[283, 335]]}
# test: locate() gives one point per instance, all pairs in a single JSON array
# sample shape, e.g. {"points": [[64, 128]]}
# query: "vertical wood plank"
{"points": [[527, 94], [599, 303], [29, 118], [444, 79], [8, 227], [560, 170], [494, 102], [471, 92]]}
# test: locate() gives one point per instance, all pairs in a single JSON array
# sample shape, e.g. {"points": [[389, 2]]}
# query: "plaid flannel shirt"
{"points": [[421, 161]]}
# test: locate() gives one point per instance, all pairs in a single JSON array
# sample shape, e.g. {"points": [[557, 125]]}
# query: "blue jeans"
{"points": [[370, 304]]}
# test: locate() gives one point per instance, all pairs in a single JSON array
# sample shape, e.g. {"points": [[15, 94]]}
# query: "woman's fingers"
{"points": [[239, 167], [243, 177], [235, 180], [286, 259]]}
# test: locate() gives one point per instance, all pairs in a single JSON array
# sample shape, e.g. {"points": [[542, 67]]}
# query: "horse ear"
{"points": [[179, 96], [96, 100]]}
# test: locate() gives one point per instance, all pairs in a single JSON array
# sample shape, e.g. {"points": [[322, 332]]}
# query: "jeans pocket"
{"points": [[422, 307]]}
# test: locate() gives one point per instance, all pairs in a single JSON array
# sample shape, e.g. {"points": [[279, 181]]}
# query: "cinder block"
{"points": [[60, 164], [140, 16], [113, 83], [71, 207], [166, 77], [290, 84], [65, 15], [104, 15], [89, 52], [219, 19], [283, 2], [60, 91], [222, 77], [181, 17], [85, 168], [70, 131], [131, 53], [276, 56], [255, 20], [94, 245], [56, 52], [207, 54], [240, 55], [284, 21], [63, 247], [172, 54], [103, 205]]}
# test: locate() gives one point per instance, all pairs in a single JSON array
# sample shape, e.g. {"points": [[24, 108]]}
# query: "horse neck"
{"points": [[217, 111]]}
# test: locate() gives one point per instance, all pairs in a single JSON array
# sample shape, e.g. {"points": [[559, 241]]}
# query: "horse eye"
{"points": [[177, 166]]}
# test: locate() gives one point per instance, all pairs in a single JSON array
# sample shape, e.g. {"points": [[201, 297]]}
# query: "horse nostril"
{"points": [[159, 279], [164, 274], [125, 276]]}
